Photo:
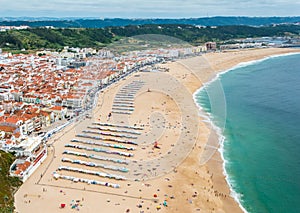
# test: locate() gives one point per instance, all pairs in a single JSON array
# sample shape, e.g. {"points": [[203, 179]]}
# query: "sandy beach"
{"points": [[145, 148]]}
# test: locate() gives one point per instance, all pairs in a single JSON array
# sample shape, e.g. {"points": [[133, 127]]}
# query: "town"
{"points": [[42, 93]]}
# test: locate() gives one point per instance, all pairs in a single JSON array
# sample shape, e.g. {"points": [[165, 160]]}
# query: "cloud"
{"points": [[154, 8]]}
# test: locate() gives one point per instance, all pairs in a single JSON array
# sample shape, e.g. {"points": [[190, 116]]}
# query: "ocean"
{"points": [[260, 127]]}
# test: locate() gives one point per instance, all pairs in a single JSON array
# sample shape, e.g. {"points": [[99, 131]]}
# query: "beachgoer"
{"points": [[108, 117], [156, 145]]}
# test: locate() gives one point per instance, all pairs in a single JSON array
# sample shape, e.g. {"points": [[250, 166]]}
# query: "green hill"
{"points": [[40, 38]]}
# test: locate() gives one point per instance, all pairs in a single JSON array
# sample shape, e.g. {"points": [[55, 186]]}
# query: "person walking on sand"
{"points": [[108, 117]]}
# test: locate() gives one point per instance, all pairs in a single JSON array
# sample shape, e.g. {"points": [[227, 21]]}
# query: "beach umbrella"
{"points": [[62, 205]]}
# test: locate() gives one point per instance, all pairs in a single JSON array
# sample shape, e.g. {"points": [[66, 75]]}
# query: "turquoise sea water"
{"points": [[262, 132]]}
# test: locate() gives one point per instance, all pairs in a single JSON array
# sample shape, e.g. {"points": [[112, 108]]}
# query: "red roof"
{"points": [[58, 108], [22, 167]]}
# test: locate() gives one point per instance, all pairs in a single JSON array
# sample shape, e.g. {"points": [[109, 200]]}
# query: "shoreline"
{"points": [[172, 118], [221, 139], [219, 130]]}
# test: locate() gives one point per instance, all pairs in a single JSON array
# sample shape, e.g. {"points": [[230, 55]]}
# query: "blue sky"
{"points": [[149, 8]]}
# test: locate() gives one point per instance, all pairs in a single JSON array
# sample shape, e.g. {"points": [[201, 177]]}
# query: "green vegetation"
{"points": [[45, 38], [8, 185], [39, 38]]}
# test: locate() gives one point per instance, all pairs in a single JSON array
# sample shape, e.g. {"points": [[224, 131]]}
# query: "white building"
{"points": [[31, 152]]}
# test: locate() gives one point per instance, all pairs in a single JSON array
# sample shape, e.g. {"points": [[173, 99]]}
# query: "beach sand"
{"points": [[186, 171]]}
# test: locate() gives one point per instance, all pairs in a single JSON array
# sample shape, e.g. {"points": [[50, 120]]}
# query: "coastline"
{"points": [[194, 187], [206, 115]]}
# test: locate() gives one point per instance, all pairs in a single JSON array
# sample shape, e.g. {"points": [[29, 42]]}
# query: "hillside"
{"points": [[7, 184], [40, 38]]}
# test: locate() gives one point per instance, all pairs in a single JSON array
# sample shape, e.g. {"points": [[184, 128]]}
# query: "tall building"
{"points": [[211, 46]]}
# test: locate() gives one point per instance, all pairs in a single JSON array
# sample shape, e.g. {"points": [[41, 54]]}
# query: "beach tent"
{"points": [[56, 176]]}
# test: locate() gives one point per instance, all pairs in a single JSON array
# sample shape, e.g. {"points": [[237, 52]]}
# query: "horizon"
{"points": [[137, 18]]}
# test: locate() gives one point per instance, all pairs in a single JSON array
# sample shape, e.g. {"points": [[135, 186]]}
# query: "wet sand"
{"points": [[185, 170]]}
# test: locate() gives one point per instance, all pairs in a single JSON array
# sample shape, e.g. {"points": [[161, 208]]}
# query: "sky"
{"points": [[148, 8]]}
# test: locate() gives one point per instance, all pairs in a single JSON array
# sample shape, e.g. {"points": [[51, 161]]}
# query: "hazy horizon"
{"points": [[137, 18]]}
